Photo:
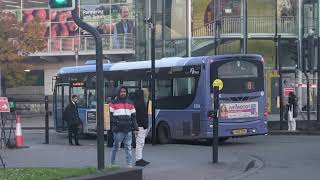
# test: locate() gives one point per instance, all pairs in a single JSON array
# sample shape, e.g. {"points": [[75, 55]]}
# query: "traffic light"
{"points": [[294, 53], [308, 52], [62, 4], [305, 54], [311, 52], [12, 104]]}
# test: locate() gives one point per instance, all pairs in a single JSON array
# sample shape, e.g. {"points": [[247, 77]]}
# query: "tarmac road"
{"points": [[252, 158]]}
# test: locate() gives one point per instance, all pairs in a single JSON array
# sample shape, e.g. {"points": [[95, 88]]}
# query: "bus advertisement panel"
{"points": [[239, 110]]}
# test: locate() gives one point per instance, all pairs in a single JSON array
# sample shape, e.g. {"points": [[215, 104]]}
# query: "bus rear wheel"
{"points": [[222, 140], [164, 135]]}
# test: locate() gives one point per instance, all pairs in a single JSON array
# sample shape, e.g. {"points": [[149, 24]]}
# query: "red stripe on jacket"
{"points": [[128, 106]]}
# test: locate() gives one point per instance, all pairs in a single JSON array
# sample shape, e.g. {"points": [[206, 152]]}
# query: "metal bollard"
{"points": [[46, 107]]}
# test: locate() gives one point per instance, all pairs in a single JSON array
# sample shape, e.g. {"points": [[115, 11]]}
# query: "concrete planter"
{"points": [[123, 174]]}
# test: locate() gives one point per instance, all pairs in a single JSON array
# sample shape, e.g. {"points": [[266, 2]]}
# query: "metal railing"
{"points": [[175, 47], [232, 25], [206, 30], [311, 25], [261, 24], [87, 43], [287, 25]]}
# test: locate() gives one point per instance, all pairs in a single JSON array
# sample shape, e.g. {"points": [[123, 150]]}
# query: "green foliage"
{"points": [[44, 173], [199, 8], [261, 8], [263, 47], [17, 41]]}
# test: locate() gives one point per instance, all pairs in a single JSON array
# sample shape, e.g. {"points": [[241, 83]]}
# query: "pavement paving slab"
{"points": [[172, 161]]}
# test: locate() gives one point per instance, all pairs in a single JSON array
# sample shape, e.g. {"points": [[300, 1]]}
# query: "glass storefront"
{"points": [[121, 25], [114, 19]]}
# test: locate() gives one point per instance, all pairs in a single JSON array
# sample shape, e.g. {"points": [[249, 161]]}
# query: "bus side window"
{"points": [[79, 91], [110, 88], [92, 103]]}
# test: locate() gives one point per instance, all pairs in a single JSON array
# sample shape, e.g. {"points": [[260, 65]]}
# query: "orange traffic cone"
{"points": [[19, 137]]}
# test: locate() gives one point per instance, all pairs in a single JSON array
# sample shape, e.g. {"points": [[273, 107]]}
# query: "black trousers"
{"points": [[73, 132]]}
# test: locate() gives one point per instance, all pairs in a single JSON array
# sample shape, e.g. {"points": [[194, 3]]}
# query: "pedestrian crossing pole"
{"points": [[99, 87], [318, 69], [215, 129], [46, 107]]}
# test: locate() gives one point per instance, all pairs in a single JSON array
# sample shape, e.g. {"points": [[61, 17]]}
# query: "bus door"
{"points": [[61, 100]]}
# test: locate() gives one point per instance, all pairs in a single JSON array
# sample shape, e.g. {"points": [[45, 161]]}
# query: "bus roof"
{"points": [[164, 62]]}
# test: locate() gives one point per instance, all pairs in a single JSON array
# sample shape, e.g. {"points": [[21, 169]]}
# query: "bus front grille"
{"points": [[244, 98]]}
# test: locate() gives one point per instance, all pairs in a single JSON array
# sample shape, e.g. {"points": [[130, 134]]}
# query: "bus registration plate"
{"points": [[239, 131]]}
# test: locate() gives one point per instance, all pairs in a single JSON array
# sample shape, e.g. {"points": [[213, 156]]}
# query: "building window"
{"points": [[31, 78], [35, 3], [13, 4]]}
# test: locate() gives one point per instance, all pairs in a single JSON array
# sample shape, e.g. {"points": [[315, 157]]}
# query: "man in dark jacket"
{"points": [[123, 122], [142, 120], [71, 115], [292, 111], [123, 30]]}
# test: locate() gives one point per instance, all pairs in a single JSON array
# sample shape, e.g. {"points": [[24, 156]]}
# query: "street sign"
{"points": [[4, 104], [287, 90], [218, 83]]}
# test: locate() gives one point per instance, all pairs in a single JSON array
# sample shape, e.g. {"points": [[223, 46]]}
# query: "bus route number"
{"points": [[219, 83]]}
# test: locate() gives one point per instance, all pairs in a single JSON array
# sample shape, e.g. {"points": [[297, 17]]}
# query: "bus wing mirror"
{"points": [[211, 114], [203, 65]]}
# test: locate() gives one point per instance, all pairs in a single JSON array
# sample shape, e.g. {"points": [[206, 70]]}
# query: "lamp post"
{"points": [[318, 69], [76, 54], [245, 27], [150, 23], [0, 83]]}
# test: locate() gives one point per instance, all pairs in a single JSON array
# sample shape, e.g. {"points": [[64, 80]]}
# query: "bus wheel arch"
{"points": [[164, 133]]}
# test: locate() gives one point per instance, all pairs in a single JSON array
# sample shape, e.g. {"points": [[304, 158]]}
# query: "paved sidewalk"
{"points": [[168, 162]]}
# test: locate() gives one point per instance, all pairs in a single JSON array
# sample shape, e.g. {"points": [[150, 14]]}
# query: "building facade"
{"points": [[273, 28]]}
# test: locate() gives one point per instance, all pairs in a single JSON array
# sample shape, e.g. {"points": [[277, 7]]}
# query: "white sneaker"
{"points": [[113, 166]]}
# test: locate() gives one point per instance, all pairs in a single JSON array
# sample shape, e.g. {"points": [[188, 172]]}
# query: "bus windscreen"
{"points": [[238, 76]]}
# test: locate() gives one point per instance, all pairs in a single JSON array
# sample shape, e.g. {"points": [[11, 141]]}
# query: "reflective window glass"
{"points": [[35, 4], [10, 4]]}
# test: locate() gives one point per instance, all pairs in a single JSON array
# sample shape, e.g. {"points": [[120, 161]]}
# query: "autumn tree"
{"points": [[17, 41]]}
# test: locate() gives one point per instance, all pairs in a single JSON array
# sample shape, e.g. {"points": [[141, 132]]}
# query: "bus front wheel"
{"points": [[164, 135], [221, 140]]}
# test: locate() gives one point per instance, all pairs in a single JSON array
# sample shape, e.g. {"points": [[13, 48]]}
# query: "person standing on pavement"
{"points": [[123, 123], [142, 120], [71, 115], [292, 111]]}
